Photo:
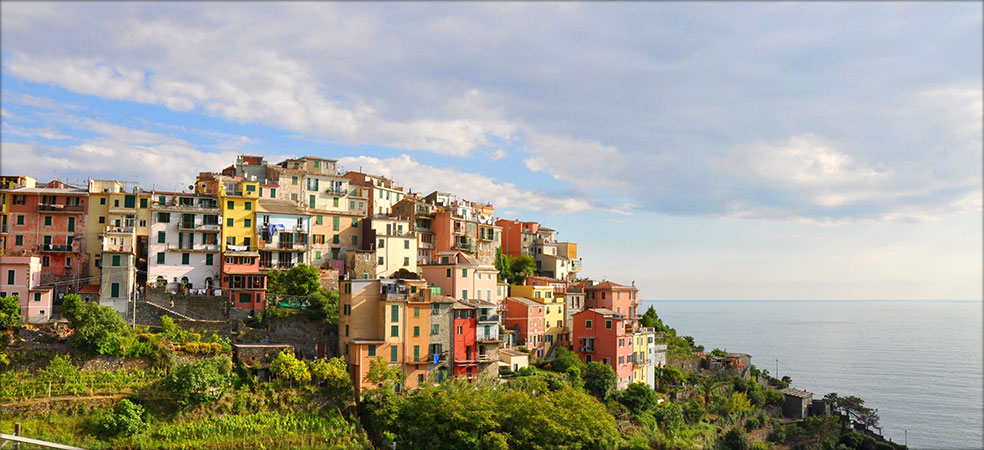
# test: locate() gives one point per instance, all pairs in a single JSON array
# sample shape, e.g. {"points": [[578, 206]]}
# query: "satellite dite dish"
{"points": [[191, 187]]}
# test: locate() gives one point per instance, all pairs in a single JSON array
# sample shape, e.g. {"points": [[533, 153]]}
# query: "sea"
{"points": [[920, 363]]}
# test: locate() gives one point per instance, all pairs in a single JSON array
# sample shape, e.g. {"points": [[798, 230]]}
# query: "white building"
{"points": [[284, 234], [395, 245], [184, 242]]}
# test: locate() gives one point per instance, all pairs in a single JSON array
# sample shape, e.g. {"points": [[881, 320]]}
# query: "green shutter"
{"points": [[334, 223], [394, 353], [115, 290], [160, 258], [394, 313], [185, 258], [208, 259], [71, 224], [116, 262]]}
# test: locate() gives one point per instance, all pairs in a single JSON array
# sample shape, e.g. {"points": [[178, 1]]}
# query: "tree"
{"points": [[303, 279], [599, 378], [333, 374], [854, 408], [276, 284], [564, 360], [521, 267], [97, 328], [502, 264], [638, 397], [651, 320], [127, 419], [670, 376], [288, 367], [709, 386], [735, 439], [9, 311], [201, 381]]}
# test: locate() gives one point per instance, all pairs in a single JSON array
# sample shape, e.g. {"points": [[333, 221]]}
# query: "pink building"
{"points": [[461, 276], [526, 318], [21, 276], [600, 335], [620, 299]]}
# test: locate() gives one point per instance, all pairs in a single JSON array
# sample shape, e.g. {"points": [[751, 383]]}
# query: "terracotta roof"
{"points": [[524, 301], [462, 305], [442, 299], [609, 285], [511, 352], [604, 312], [89, 289]]}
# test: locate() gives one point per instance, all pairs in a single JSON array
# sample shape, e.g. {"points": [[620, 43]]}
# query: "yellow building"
{"points": [[553, 313], [238, 202], [113, 209], [640, 372]]}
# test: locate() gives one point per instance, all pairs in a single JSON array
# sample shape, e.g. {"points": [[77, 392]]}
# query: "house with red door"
{"points": [[243, 283]]}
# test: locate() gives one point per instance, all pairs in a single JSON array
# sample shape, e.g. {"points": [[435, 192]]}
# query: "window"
{"points": [[587, 324], [293, 180], [355, 240], [71, 224], [406, 243], [311, 199], [245, 297], [20, 219], [395, 331], [319, 219], [143, 223], [10, 276], [230, 222], [160, 258], [115, 290], [163, 217], [416, 357], [372, 348], [250, 188], [608, 324], [116, 262], [230, 204], [247, 223], [116, 203], [143, 203], [45, 261], [273, 192], [317, 254], [102, 201], [160, 237], [130, 201], [249, 206], [20, 199], [394, 313], [334, 223], [185, 258], [346, 330], [464, 272], [416, 331], [394, 353], [464, 294], [380, 260], [47, 221], [246, 241], [459, 329], [293, 197], [334, 239], [382, 243], [335, 202], [449, 273]]}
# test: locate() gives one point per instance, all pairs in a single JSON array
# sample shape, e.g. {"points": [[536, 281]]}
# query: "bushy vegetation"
{"points": [[126, 419], [9, 311], [514, 270]]}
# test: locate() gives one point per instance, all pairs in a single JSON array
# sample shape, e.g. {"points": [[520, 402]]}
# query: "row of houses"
{"points": [[415, 273]]}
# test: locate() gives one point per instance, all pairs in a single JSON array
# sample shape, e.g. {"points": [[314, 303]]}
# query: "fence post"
{"points": [[17, 432]]}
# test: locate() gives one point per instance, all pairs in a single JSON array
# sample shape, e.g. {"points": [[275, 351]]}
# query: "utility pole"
{"points": [[777, 369], [906, 437]]}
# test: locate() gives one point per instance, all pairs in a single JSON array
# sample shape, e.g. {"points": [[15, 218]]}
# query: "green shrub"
{"points": [[774, 397], [200, 382], [126, 419], [735, 439], [778, 433]]}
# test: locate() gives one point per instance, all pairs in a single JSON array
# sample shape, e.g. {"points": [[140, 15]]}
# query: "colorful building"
{"points": [[50, 222], [283, 234], [465, 348], [8, 183], [524, 318], [553, 312], [517, 237], [184, 249], [395, 245], [600, 335], [616, 297], [117, 210], [243, 282], [21, 276], [381, 192], [461, 276]]}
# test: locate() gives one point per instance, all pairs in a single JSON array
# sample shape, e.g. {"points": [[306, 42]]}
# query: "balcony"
{"points": [[336, 192], [488, 317], [425, 245], [117, 230], [191, 226], [485, 358], [51, 248], [198, 248], [584, 349], [171, 206], [69, 209], [436, 358], [488, 338], [295, 246]]}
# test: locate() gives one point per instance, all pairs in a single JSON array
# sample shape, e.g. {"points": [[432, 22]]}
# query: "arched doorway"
{"points": [[208, 283]]}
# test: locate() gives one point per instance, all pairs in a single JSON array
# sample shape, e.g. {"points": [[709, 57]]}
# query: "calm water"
{"points": [[918, 362]]}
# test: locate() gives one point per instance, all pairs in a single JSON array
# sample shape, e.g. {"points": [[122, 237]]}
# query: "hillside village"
{"points": [[300, 260]]}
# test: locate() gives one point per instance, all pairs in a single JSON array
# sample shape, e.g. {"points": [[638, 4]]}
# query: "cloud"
{"points": [[678, 109], [470, 186]]}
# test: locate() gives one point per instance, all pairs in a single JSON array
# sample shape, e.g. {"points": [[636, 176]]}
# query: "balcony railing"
{"points": [[485, 358], [584, 349], [195, 248], [48, 207], [54, 248], [488, 317], [338, 192], [487, 338]]}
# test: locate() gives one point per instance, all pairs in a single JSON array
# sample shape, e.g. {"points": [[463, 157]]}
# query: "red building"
{"points": [[516, 236], [526, 318], [616, 297], [601, 335], [242, 281], [48, 221], [463, 341]]}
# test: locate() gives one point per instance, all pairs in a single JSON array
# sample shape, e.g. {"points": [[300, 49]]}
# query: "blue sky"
{"points": [[703, 150]]}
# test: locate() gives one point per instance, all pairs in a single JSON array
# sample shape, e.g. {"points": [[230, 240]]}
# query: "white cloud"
{"points": [[470, 186]]}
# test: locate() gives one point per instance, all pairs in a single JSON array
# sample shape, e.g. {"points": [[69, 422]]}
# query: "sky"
{"points": [[702, 150]]}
